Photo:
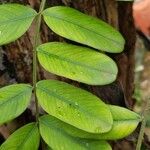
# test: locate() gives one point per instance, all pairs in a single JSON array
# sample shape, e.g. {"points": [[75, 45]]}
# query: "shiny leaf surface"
{"points": [[58, 139], [77, 63], [14, 99], [74, 106], [76, 26], [25, 138], [125, 122], [15, 20]]}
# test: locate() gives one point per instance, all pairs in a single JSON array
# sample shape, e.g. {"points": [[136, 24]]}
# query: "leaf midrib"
{"points": [[14, 97], [73, 62], [131, 119], [107, 38], [61, 98], [15, 20], [26, 138]]}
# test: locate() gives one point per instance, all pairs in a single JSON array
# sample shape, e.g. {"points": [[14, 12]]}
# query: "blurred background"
{"points": [[141, 14]]}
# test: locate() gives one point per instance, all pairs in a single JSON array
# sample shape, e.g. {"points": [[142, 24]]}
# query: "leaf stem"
{"points": [[35, 44], [143, 124]]}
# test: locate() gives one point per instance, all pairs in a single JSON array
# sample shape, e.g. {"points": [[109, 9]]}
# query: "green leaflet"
{"points": [[59, 139], [15, 20], [77, 63], [125, 122], [25, 138], [14, 99], [84, 29], [74, 106]]}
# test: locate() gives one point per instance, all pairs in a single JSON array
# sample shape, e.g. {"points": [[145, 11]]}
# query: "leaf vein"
{"points": [[75, 63], [107, 38]]}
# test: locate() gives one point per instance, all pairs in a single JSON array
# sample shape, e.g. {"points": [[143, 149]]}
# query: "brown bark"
{"points": [[17, 56]]}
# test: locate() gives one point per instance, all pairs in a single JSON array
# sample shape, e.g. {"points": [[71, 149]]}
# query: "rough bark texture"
{"points": [[16, 58]]}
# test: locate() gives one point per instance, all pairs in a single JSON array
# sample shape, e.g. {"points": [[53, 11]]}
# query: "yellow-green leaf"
{"points": [[77, 63], [25, 138], [76, 26], [15, 20], [14, 99], [125, 122], [74, 106], [59, 139]]}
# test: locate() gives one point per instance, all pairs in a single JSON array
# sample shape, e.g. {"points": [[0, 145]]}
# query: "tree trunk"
{"points": [[16, 58]]}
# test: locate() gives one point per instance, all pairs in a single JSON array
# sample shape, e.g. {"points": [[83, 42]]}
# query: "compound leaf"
{"points": [[77, 63], [74, 106], [15, 19], [14, 99], [76, 26]]}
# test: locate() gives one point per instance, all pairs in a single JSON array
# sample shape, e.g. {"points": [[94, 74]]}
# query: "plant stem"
{"points": [[35, 44], [141, 134], [143, 124]]}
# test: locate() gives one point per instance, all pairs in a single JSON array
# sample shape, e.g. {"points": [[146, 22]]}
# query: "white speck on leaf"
{"points": [[87, 144], [76, 103]]}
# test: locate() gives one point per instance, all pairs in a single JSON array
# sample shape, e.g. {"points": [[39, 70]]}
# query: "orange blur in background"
{"points": [[141, 14]]}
